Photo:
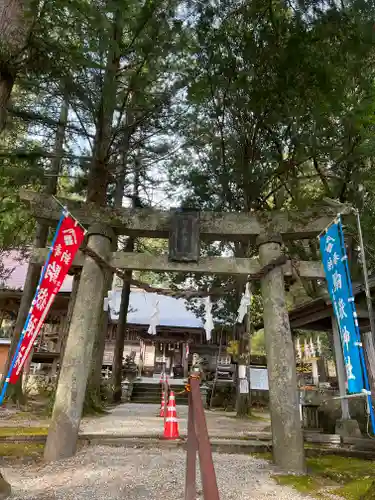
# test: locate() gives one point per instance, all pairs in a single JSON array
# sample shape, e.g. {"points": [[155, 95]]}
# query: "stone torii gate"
{"points": [[268, 231]]}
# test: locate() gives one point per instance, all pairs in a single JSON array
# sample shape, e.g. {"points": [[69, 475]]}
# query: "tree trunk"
{"points": [[93, 397], [6, 87], [98, 183], [125, 294], [121, 330], [243, 406], [33, 272], [14, 29], [243, 403], [98, 176], [122, 170]]}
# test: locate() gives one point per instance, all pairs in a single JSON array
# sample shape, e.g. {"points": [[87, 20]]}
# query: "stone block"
{"points": [[330, 413], [347, 428]]}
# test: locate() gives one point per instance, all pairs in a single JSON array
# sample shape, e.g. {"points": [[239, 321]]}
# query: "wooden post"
{"points": [[70, 394], [185, 360], [191, 456], [202, 442], [120, 338], [243, 400], [315, 372], [322, 369], [93, 400], [287, 436]]}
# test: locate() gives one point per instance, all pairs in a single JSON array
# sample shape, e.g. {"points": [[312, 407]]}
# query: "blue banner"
{"points": [[340, 289]]}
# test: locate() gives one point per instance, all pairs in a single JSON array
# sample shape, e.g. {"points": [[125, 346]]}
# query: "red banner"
{"points": [[68, 238]]}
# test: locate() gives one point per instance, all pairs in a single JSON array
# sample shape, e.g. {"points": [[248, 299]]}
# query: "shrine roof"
{"points": [[173, 311], [316, 314]]}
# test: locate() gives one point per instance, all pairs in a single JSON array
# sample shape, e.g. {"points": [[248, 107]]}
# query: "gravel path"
{"points": [[105, 473], [137, 419]]}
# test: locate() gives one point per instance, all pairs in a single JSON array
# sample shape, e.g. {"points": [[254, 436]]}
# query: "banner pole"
{"points": [[365, 276], [65, 209], [14, 359], [370, 310], [334, 221], [361, 347]]}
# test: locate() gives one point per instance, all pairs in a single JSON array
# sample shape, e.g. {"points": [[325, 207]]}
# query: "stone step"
{"points": [[155, 387], [328, 439], [177, 393], [146, 391], [156, 395], [151, 394], [179, 402], [217, 445]]}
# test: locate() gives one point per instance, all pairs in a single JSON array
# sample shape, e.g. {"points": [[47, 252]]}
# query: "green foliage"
{"points": [[152, 246], [258, 345], [16, 226], [226, 106], [280, 116]]}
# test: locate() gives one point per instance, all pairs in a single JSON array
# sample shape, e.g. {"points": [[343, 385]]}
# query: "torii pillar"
{"points": [[287, 434], [86, 319]]}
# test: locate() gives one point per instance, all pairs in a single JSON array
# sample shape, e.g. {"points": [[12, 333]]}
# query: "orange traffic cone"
{"points": [[162, 404], [171, 422]]}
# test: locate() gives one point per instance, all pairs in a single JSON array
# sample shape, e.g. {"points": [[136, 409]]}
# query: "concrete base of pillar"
{"points": [[347, 428]]}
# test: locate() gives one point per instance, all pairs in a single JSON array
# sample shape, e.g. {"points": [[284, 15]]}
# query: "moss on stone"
{"points": [[355, 490], [21, 450], [348, 478], [341, 469], [23, 431], [303, 484]]}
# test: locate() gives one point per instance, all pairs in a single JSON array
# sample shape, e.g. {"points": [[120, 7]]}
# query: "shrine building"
{"points": [[179, 333]]}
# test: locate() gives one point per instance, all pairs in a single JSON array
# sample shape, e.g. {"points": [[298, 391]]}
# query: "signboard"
{"points": [[68, 238], [244, 386], [259, 379], [335, 262]]}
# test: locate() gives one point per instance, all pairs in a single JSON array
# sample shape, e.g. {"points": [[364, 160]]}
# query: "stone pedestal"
{"points": [[66, 417], [287, 435], [204, 392], [347, 428], [315, 372], [126, 390]]}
